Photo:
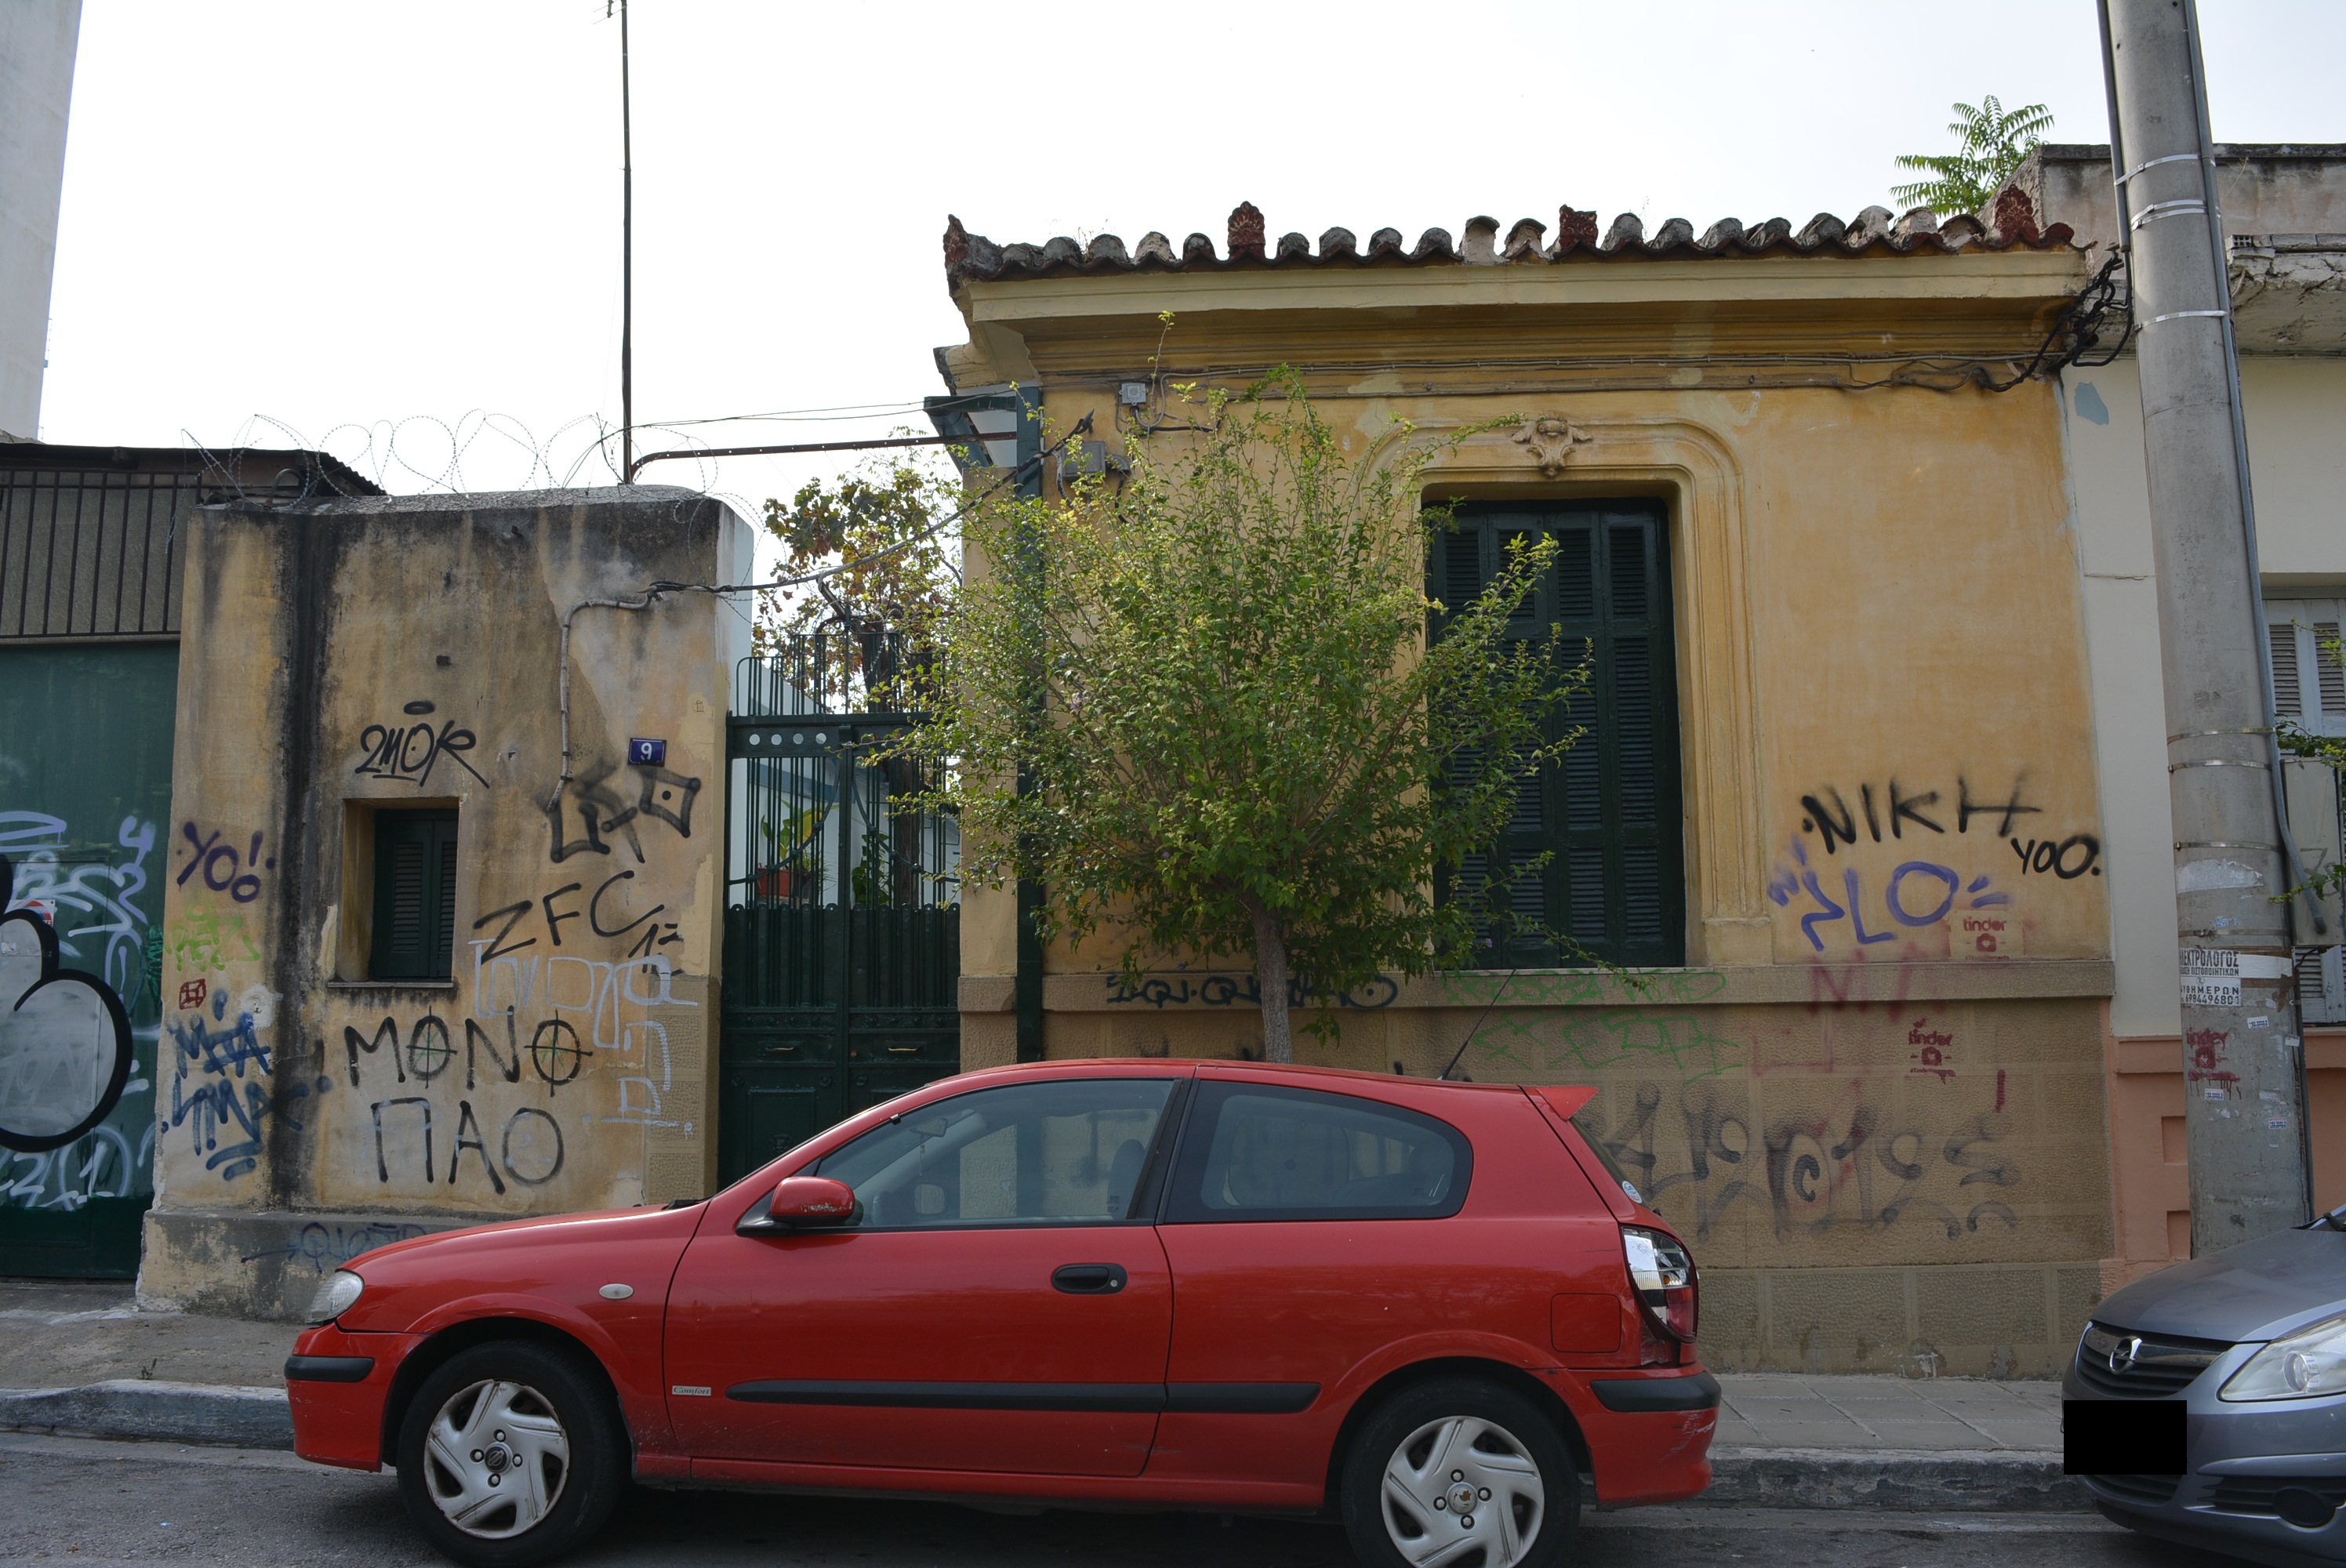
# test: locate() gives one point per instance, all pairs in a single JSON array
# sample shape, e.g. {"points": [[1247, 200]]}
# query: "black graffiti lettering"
{"points": [[383, 1166], [1907, 809], [1865, 793], [412, 751], [507, 1061], [2086, 842], [512, 914], [668, 796], [1993, 1209], [1821, 820], [429, 1048], [1964, 1149], [1966, 809], [553, 918], [564, 846], [556, 1053], [546, 1165], [466, 1119], [595, 905], [386, 1032]]}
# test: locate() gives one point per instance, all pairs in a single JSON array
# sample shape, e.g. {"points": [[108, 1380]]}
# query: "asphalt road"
{"points": [[65, 1501]]}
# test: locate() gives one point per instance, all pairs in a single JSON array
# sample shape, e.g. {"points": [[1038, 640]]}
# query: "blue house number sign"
{"points": [[648, 753]]}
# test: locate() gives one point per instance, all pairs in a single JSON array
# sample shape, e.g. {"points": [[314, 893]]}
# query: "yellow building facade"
{"points": [[1871, 1096]]}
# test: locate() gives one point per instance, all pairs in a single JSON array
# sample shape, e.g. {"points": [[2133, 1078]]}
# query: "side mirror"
{"points": [[803, 1203]]}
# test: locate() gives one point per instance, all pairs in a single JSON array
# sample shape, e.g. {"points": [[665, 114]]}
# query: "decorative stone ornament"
{"points": [[1548, 441]]}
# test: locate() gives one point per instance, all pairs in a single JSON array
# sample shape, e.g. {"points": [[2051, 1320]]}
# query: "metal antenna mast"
{"points": [[627, 264]]}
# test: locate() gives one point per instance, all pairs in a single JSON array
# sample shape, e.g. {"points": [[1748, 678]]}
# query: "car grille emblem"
{"points": [[2123, 1353]]}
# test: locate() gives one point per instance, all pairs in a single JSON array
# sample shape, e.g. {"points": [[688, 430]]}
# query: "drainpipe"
{"points": [[2242, 1054]]}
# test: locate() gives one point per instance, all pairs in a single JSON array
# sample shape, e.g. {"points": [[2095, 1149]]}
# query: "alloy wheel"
{"points": [[1461, 1491], [495, 1459]]}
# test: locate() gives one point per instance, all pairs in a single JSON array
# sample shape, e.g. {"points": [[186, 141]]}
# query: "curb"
{"points": [[153, 1411], [1909, 1480], [1966, 1480]]}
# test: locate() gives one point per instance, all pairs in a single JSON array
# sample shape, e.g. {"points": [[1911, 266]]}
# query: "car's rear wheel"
{"points": [[510, 1455], [1460, 1473]]}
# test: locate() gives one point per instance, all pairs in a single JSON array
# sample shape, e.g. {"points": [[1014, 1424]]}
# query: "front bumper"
{"points": [[2241, 1458], [338, 1416]]}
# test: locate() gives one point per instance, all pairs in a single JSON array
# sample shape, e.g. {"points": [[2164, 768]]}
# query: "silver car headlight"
{"points": [[2305, 1365], [337, 1296]]}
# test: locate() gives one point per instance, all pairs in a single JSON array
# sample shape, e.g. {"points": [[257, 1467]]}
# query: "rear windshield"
{"points": [[1587, 1130]]}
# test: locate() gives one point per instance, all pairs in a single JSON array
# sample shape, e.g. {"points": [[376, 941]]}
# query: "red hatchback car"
{"points": [[1433, 1307]]}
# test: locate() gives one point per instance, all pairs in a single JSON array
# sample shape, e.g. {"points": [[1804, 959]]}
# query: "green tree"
{"points": [[1199, 704], [880, 523], [1990, 143]]}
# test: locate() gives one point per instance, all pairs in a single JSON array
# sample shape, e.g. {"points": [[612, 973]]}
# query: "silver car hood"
{"points": [[2253, 1291]]}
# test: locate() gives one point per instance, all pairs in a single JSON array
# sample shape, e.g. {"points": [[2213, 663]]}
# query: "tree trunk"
{"points": [[1271, 976]]}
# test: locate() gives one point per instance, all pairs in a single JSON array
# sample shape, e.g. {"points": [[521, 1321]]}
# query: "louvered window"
{"points": [[1608, 813], [415, 895], [2310, 692]]}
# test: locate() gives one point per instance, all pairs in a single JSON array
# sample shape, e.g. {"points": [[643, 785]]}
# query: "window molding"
{"points": [[356, 958], [1696, 474]]}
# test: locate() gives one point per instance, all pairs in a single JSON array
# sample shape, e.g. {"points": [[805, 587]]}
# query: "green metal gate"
{"points": [[85, 820], [842, 920]]}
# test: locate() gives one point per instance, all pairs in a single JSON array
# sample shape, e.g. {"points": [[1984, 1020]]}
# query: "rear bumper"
{"points": [[337, 1406], [1649, 1435]]}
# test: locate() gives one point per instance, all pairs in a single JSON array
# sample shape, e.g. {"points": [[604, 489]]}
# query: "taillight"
{"points": [[1664, 1278]]}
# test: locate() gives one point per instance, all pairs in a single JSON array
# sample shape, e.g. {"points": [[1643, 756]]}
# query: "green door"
{"points": [[843, 934], [85, 821]]}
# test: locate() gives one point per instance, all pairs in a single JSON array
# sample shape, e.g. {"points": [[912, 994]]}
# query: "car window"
{"points": [[1058, 1153], [1591, 1133], [1256, 1152]]}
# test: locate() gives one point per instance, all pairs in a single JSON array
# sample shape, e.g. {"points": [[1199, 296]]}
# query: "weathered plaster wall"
{"points": [[1874, 1097], [406, 652]]}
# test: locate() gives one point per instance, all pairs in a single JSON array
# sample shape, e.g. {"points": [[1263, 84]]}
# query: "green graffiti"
{"points": [[1547, 1044], [207, 940]]}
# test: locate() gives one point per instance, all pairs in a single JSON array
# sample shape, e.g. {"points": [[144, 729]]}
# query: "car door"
{"points": [[994, 1307], [1310, 1232]]}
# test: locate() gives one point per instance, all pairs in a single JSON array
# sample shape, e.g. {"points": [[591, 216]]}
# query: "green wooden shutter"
{"points": [[415, 895], [1608, 813]]}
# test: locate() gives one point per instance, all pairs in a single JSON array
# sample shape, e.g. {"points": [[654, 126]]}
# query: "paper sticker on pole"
{"points": [[2211, 977]]}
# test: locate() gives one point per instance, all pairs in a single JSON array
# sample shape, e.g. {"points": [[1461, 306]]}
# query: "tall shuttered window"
{"points": [[1608, 813], [415, 895]]}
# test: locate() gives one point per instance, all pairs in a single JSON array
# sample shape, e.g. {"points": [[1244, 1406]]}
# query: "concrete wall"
{"points": [[351, 655], [37, 39], [1883, 1135]]}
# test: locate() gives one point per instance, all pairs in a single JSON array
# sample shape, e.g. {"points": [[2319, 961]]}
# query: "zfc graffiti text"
{"points": [[605, 911], [1805, 1174]]}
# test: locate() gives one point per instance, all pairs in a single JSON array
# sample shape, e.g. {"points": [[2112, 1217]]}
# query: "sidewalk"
{"points": [[78, 1357]]}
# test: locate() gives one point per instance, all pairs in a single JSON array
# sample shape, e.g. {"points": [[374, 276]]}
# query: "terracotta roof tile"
{"points": [[1874, 231]]}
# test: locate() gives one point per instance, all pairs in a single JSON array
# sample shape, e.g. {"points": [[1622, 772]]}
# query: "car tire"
{"points": [[1425, 1450], [511, 1454]]}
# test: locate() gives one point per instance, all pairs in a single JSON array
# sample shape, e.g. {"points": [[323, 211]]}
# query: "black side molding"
{"points": [[955, 1396], [1700, 1392], [1220, 1398], [328, 1368], [1241, 1398]]}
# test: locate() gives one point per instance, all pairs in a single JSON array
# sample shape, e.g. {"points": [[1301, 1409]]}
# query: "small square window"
{"points": [[414, 925]]}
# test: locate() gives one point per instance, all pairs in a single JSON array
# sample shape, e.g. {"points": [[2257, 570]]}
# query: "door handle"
{"points": [[1088, 1279]]}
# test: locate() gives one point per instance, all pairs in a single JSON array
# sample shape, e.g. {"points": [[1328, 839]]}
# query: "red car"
{"points": [[1433, 1306]]}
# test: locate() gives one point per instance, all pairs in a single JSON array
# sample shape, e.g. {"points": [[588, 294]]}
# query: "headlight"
{"points": [[2300, 1365], [1665, 1280], [337, 1296]]}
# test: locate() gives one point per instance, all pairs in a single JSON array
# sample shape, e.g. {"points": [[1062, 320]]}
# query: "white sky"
{"points": [[336, 216]]}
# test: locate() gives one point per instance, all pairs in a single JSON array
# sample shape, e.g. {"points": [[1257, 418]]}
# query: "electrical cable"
{"points": [[655, 592]]}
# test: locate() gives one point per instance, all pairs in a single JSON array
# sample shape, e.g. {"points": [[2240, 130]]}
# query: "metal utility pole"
{"points": [[626, 268], [2234, 867]]}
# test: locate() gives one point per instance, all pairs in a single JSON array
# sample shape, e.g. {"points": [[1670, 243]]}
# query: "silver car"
{"points": [[2253, 1339]]}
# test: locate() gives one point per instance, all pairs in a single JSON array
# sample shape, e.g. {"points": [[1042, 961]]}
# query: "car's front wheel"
{"points": [[1460, 1474], [510, 1455]]}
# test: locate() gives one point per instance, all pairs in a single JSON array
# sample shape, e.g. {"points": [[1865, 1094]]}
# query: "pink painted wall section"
{"points": [[2150, 1188]]}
